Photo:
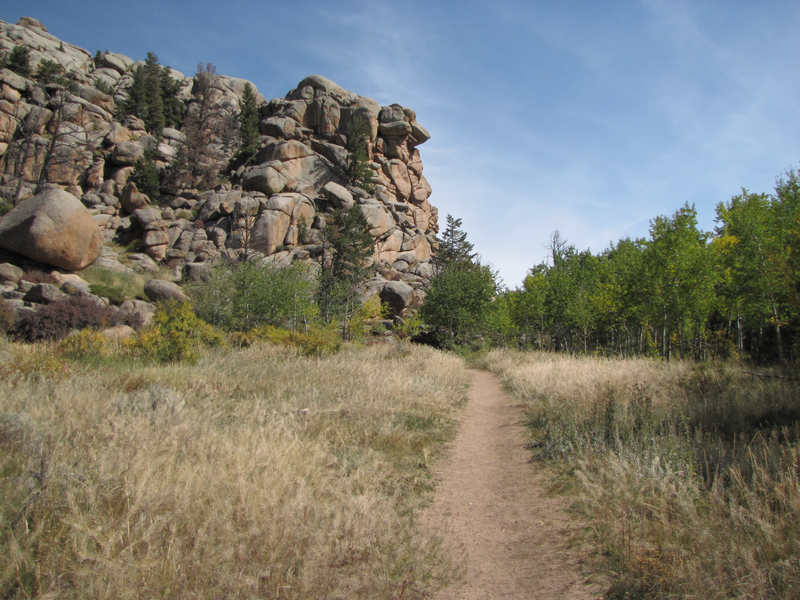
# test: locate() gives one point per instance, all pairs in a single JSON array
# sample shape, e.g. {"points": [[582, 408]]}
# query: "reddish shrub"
{"points": [[55, 321], [6, 317], [39, 277]]}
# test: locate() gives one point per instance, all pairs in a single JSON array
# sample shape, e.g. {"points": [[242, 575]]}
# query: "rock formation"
{"points": [[273, 207]]}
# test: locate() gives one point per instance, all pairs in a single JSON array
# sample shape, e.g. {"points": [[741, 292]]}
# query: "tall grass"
{"points": [[687, 475], [256, 472]]}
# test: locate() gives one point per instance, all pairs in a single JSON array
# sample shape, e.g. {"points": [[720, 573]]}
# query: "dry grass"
{"points": [[687, 476], [254, 473]]}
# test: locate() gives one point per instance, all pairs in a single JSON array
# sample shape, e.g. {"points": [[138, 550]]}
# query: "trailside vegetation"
{"points": [[345, 261], [459, 297], [254, 472], [684, 472]]}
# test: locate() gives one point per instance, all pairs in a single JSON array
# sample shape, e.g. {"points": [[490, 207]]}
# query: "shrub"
{"points": [[5, 206], [55, 321], [39, 277], [84, 343], [19, 61], [360, 323], [175, 334], [6, 317], [48, 71], [147, 177], [101, 85], [244, 296], [316, 341]]}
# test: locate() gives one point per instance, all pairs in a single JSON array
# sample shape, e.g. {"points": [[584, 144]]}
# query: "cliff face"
{"points": [[273, 208]]}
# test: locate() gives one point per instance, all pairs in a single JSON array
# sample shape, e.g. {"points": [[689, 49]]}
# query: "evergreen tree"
{"points": [[172, 105], [152, 96], [201, 156], [48, 71], [458, 297], [346, 261], [248, 123], [454, 250], [144, 95], [358, 169]]}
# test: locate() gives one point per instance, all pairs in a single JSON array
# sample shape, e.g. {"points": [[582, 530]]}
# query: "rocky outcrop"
{"points": [[274, 206], [54, 228]]}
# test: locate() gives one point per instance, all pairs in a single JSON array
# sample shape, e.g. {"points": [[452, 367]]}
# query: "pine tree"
{"points": [[147, 177], [144, 95], [345, 262], [49, 71], [152, 96], [172, 105], [248, 123], [19, 61], [358, 169], [454, 249]]}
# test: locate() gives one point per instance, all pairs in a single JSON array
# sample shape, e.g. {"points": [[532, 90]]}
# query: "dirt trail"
{"points": [[490, 505]]}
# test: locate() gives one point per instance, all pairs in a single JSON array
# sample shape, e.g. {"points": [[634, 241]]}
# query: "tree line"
{"points": [[681, 292]]}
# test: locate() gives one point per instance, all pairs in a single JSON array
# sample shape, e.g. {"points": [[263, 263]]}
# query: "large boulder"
{"points": [[270, 231], [55, 228], [264, 179], [338, 195], [157, 290], [10, 273], [397, 295]]}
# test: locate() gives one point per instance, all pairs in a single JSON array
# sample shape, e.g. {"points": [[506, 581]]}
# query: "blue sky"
{"points": [[590, 117]]}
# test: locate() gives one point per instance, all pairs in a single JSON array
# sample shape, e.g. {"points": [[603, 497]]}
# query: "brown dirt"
{"points": [[491, 507]]}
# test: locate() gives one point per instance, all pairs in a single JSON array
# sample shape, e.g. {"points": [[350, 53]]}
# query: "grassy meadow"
{"points": [[256, 472], [686, 475]]}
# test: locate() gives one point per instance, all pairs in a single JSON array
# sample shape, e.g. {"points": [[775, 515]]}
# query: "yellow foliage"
{"points": [[84, 343]]}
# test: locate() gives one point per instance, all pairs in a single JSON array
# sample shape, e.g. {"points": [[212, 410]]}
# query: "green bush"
{"points": [[175, 334], [101, 85], [19, 61], [244, 296], [147, 177], [5, 206], [48, 71]]}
